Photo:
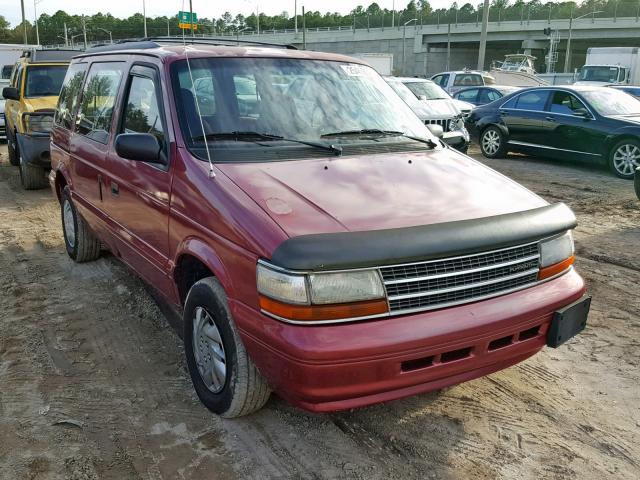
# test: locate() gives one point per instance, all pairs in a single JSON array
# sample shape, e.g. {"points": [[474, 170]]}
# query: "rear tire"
{"points": [[224, 377], [32, 177], [82, 245], [624, 158], [493, 143]]}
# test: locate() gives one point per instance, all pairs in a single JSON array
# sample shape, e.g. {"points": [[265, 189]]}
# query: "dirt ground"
{"points": [[93, 381]]}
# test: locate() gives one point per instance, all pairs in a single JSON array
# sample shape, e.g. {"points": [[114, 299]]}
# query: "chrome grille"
{"points": [[439, 283], [444, 123]]}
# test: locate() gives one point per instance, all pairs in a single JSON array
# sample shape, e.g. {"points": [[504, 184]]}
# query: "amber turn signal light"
{"points": [[556, 268], [318, 313]]}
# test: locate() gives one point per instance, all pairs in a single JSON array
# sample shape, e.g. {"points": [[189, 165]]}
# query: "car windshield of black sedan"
{"points": [[281, 101], [608, 101]]}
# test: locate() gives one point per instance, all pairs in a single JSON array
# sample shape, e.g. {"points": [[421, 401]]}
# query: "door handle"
{"points": [[115, 190], [550, 119]]}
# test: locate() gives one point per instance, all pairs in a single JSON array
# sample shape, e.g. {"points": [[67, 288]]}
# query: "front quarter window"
{"points": [[68, 100]]}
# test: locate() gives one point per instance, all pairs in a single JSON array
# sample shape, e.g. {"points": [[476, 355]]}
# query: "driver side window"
{"points": [[142, 112], [566, 103]]}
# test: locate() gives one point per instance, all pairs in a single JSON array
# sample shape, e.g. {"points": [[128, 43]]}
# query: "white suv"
{"points": [[454, 81]]}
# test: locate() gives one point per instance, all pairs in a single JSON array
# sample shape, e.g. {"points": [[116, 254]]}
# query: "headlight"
{"points": [[320, 297], [457, 123], [38, 122], [556, 255]]}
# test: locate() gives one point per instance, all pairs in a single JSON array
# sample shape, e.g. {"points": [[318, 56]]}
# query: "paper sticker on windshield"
{"points": [[354, 70]]}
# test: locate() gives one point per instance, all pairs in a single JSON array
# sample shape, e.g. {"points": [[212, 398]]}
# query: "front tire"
{"points": [[82, 245], [32, 177], [224, 377], [13, 157], [624, 158], [493, 143]]}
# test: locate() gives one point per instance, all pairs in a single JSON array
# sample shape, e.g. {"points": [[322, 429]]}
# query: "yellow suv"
{"points": [[31, 99]]}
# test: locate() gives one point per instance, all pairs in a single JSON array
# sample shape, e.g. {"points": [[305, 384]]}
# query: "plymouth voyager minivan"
{"points": [[318, 240]]}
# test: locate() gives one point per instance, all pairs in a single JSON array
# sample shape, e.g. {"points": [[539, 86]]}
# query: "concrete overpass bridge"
{"points": [[425, 46]]}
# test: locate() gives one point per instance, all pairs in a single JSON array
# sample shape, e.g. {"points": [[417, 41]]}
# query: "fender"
{"points": [[484, 122], [626, 131], [201, 250]]}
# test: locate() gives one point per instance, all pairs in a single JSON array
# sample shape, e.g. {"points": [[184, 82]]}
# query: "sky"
{"points": [[10, 9]]}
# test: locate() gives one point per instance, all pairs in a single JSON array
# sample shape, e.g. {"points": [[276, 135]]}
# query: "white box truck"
{"points": [[381, 62], [610, 66]]}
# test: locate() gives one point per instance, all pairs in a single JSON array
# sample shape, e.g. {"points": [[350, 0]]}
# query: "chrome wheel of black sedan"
{"points": [[578, 122]]}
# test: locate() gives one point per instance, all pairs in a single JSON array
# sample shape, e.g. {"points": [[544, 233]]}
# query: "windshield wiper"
{"points": [[377, 131], [257, 136]]}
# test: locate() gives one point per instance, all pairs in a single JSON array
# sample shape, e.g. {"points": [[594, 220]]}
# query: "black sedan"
{"points": [[594, 124], [483, 95]]}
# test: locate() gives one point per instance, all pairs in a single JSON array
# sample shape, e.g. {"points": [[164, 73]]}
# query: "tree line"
{"points": [[102, 27]]}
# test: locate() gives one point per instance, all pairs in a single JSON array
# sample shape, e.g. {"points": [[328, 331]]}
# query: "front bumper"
{"points": [[34, 149], [335, 367]]}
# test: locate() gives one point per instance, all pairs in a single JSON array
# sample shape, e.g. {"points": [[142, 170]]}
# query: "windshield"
{"points": [[608, 101], [44, 81], [405, 94], [428, 90], [599, 74], [297, 100]]}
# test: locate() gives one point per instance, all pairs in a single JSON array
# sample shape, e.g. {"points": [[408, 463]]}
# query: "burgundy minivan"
{"points": [[318, 239]]}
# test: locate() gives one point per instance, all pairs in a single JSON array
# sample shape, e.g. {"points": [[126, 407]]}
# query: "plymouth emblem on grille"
{"points": [[521, 267]]}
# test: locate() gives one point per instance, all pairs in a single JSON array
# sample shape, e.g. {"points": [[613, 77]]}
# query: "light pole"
{"points": [[404, 36], [144, 17], [567, 59], [24, 22], [35, 15], [106, 31], [393, 14]]}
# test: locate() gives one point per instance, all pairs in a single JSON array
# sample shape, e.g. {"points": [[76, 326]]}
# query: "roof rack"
{"points": [[156, 42], [50, 55]]}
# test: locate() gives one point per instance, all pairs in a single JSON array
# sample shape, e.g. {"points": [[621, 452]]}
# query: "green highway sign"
{"points": [[187, 17]]}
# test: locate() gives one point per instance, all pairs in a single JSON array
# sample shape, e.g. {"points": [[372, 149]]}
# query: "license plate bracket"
{"points": [[568, 322]]}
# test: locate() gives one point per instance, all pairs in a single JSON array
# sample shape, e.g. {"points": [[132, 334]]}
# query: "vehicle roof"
{"points": [[409, 79], [196, 50], [461, 72]]}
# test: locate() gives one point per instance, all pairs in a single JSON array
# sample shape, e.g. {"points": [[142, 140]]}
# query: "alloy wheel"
{"points": [[208, 351], [626, 159], [491, 142], [69, 224]]}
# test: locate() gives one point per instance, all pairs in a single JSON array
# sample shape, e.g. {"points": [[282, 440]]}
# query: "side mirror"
{"points": [[141, 147], [436, 130], [10, 93], [422, 97]]}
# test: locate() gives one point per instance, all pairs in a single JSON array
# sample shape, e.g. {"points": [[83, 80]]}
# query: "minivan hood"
{"points": [[377, 192]]}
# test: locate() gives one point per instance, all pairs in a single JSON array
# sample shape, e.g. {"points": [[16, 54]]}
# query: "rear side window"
{"points": [[69, 95], [531, 101], [468, 95], [468, 79], [98, 98], [441, 80]]}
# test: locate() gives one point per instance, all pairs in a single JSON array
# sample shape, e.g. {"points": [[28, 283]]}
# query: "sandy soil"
{"points": [[93, 381]]}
